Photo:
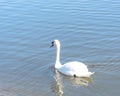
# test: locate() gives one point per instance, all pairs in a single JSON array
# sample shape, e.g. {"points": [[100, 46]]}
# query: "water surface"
{"points": [[89, 32]]}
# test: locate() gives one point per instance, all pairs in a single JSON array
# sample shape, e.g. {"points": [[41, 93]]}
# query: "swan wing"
{"points": [[74, 68]]}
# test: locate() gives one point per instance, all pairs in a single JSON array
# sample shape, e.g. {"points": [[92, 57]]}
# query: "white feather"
{"points": [[73, 68]]}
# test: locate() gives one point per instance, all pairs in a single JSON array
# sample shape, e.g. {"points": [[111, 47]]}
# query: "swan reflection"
{"points": [[58, 86], [61, 81], [77, 81]]}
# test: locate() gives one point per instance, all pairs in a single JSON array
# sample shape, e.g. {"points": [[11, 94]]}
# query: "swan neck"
{"points": [[58, 57]]}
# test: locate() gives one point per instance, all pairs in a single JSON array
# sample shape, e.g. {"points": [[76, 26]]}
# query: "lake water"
{"points": [[89, 31]]}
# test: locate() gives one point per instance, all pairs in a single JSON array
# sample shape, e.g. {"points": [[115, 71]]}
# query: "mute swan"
{"points": [[74, 68]]}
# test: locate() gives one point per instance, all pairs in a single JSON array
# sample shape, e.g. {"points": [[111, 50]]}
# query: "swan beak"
{"points": [[52, 44]]}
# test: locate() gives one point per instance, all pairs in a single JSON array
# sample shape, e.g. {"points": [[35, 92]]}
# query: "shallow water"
{"points": [[88, 31]]}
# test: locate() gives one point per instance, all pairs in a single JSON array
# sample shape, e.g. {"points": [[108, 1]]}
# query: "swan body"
{"points": [[74, 68]]}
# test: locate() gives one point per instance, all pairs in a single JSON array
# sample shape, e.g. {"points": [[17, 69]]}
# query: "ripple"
{"points": [[88, 31]]}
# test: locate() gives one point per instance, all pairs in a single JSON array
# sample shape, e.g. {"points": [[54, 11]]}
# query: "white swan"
{"points": [[74, 68]]}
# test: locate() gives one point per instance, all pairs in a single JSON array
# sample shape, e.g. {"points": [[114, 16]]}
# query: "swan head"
{"points": [[55, 43]]}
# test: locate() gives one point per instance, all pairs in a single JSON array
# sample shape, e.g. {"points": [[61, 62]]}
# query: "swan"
{"points": [[74, 68]]}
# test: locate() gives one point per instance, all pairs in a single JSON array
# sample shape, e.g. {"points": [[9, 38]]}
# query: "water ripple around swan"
{"points": [[88, 31]]}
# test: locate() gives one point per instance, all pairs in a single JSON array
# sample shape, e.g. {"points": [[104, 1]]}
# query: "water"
{"points": [[89, 32]]}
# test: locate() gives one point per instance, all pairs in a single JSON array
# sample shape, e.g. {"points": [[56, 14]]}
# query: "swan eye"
{"points": [[53, 42]]}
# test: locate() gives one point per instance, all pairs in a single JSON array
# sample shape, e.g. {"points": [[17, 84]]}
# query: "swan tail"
{"points": [[88, 74]]}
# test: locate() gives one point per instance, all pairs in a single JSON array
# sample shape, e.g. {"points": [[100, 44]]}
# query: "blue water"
{"points": [[89, 32]]}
